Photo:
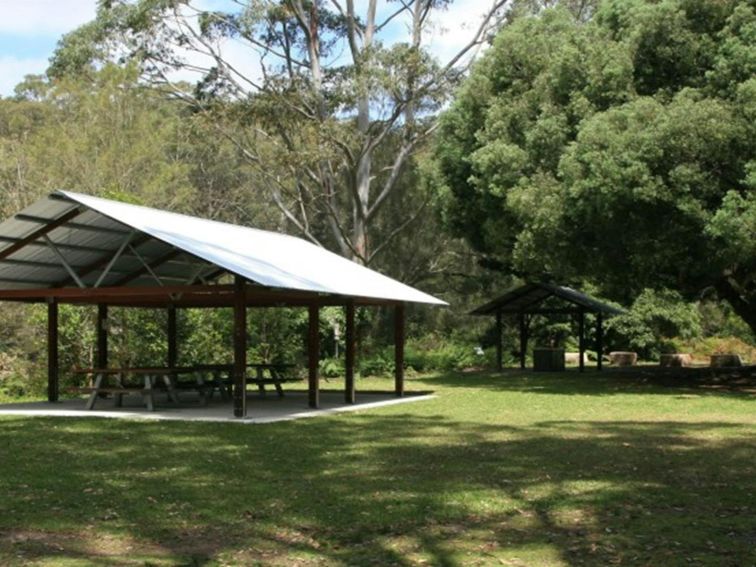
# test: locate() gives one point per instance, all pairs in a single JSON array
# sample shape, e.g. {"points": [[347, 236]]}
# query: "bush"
{"points": [[331, 367], [379, 364], [17, 377], [434, 354], [654, 319]]}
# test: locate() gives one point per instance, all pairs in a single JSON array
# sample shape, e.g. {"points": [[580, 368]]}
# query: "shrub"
{"points": [[379, 364], [331, 367], [654, 319]]}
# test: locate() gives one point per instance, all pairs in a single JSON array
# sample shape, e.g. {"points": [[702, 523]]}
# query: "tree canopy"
{"points": [[335, 99], [619, 150]]}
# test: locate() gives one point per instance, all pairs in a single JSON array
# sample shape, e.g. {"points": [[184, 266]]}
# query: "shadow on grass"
{"points": [[377, 490], [591, 382]]}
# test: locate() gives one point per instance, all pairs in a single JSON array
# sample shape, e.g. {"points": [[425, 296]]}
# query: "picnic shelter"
{"points": [[525, 301], [69, 248]]}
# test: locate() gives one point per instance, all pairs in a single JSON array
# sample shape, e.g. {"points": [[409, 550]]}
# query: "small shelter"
{"points": [[528, 300], [78, 249]]}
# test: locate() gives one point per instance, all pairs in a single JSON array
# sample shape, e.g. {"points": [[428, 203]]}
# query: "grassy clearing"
{"points": [[512, 469]]}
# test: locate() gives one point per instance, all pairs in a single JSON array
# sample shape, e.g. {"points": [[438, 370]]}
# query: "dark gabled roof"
{"points": [[528, 298]]}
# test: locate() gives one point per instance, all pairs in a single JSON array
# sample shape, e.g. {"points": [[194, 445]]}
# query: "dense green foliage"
{"points": [[620, 151], [653, 321], [603, 146]]}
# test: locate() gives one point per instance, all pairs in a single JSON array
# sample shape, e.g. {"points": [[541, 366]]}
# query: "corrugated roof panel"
{"points": [[267, 258]]}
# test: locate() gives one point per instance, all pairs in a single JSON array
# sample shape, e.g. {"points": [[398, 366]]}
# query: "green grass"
{"points": [[511, 469]]}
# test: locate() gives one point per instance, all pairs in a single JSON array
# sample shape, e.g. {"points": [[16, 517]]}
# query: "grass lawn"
{"points": [[498, 469]]}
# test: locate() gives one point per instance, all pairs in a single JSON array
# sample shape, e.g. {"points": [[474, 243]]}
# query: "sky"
{"points": [[30, 29]]}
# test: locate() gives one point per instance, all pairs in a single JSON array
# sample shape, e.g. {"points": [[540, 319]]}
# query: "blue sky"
{"points": [[30, 29]]}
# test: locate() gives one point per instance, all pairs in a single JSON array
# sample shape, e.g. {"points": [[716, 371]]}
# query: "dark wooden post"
{"points": [[523, 341], [240, 348], [499, 355], [581, 338], [349, 354], [599, 340], [102, 336], [172, 337], [313, 357], [399, 350], [52, 351]]}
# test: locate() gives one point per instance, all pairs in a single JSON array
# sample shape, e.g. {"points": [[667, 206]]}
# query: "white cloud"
{"points": [[44, 17], [13, 70], [452, 29]]}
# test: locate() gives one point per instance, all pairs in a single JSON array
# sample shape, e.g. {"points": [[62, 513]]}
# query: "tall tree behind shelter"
{"points": [[325, 88]]}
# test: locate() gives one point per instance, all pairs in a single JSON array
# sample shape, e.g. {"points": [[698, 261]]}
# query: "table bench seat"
{"points": [[135, 390], [275, 382]]}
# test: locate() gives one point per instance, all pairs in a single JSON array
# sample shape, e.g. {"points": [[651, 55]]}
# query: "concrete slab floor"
{"points": [[260, 409]]}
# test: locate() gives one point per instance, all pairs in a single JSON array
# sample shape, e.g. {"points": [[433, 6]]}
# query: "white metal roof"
{"points": [[190, 247]]}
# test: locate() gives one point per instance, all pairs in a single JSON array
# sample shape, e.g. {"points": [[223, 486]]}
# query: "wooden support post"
{"points": [[53, 386], [240, 348], [499, 355], [523, 340], [349, 354], [581, 339], [102, 335], [399, 350], [172, 337], [313, 357], [599, 340]]}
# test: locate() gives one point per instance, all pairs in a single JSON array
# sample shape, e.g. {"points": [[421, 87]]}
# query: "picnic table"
{"points": [[276, 376], [207, 379], [113, 381]]}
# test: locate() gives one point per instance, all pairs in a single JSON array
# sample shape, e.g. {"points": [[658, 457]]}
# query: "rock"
{"points": [[619, 358], [675, 360], [574, 358], [725, 360]]}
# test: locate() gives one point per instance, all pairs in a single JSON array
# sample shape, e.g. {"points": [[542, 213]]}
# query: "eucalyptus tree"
{"points": [[322, 88]]}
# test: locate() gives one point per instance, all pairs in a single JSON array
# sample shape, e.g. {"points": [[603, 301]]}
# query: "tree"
{"points": [[329, 90], [621, 150]]}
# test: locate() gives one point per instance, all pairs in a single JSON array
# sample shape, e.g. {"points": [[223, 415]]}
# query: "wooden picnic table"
{"points": [[265, 374], [119, 387], [276, 376], [112, 381]]}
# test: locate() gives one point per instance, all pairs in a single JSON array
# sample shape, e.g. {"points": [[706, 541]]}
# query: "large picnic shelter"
{"points": [[78, 249], [538, 298]]}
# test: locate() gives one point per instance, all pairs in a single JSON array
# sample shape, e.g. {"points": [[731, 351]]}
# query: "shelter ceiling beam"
{"points": [[199, 296], [25, 281], [61, 245], [39, 264], [76, 225], [51, 225], [106, 260], [209, 277], [105, 293], [149, 267], [62, 258], [126, 242]]}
